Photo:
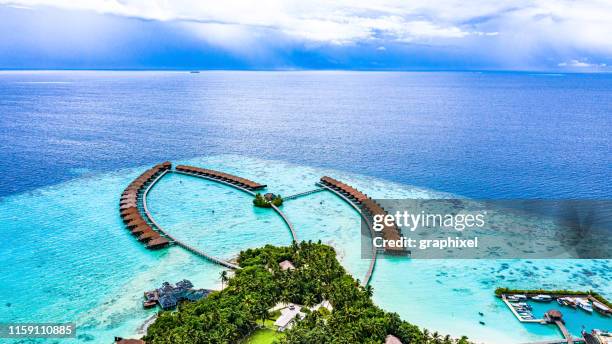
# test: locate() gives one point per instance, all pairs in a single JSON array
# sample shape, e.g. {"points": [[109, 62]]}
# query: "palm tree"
{"points": [[224, 277], [369, 290]]}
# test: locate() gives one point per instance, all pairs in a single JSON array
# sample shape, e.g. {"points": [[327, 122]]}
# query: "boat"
{"points": [[542, 298], [481, 314], [516, 298], [481, 322], [585, 305], [601, 308], [524, 305]]}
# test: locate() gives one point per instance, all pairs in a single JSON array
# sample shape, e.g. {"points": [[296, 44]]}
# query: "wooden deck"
{"points": [[368, 276]]}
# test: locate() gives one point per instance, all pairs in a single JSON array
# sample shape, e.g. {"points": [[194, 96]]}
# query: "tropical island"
{"points": [[267, 200], [332, 307]]}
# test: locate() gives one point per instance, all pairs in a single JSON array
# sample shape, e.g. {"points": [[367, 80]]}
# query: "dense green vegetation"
{"points": [[500, 291], [262, 202], [230, 315]]}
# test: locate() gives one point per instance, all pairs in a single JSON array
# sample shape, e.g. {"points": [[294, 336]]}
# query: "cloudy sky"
{"points": [[314, 34]]}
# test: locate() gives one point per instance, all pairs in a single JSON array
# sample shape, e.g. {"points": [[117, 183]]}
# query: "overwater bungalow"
{"points": [[601, 308], [128, 208], [158, 243], [140, 229], [148, 235], [239, 181], [368, 206]]}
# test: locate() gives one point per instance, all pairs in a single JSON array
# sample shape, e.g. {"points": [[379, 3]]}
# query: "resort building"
{"points": [[325, 304], [286, 265], [391, 339], [288, 317], [168, 296]]}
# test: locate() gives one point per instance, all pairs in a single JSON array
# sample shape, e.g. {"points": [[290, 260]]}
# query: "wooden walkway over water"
{"points": [[305, 193], [175, 240], [368, 276]]}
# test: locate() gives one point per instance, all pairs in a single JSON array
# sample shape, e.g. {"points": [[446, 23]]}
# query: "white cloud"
{"points": [[575, 63], [520, 27]]}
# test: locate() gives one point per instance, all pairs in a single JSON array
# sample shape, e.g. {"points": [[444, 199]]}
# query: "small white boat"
{"points": [[520, 296], [585, 305], [601, 308], [542, 298], [524, 305]]}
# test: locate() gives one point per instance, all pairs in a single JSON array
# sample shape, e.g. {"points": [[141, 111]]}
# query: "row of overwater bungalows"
{"points": [[128, 206], [367, 205], [239, 181]]}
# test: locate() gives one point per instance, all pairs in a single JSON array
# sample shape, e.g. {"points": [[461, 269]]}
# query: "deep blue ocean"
{"points": [[483, 135], [71, 141]]}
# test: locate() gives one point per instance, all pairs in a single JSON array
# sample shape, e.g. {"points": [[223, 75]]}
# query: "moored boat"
{"points": [[542, 298], [585, 305], [601, 308]]}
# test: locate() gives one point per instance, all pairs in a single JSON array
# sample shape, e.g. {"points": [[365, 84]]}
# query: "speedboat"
{"points": [[601, 308], [524, 305], [585, 305], [542, 298]]}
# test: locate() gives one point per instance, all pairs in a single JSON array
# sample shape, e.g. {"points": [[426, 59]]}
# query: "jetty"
{"points": [[238, 182], [130, 204], [518, 316], [369, 207], [366, 208], [133, 204], [302, 194]]}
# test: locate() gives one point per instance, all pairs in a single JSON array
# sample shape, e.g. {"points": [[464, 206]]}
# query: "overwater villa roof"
{"points": [[368, 205], [134, 222], [128, 208], [129, 211], [132, 218], [158, 243], [148, 235], [249, 184], [140, 229]]}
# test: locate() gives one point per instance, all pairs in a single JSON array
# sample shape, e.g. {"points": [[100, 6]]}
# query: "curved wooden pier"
{"points": [[174, 240], [287, 222], [368, 276]]}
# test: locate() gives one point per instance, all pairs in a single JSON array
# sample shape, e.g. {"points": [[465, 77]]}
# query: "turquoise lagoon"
{"points": [[65, 255]]}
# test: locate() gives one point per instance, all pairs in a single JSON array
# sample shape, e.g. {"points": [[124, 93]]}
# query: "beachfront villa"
{"points": [[169, 296], [288, 317], [391, 339], [286, 265]]}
